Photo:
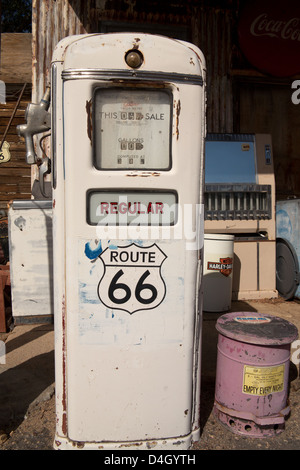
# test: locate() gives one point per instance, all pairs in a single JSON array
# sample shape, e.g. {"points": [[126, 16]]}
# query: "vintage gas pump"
{"points": [[128, 129]]}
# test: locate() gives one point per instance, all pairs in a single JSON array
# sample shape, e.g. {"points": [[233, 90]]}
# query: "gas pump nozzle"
{"points": [[38, 120]]}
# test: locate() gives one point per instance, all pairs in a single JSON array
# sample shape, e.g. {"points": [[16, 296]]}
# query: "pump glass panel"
{"points": [[132, 129]]}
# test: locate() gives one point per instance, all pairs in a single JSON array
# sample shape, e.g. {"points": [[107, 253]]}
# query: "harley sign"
{"points": [[224, 266], [132, 278]]}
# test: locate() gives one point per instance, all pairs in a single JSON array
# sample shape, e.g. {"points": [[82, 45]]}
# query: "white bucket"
{"points": [[217, 272]]}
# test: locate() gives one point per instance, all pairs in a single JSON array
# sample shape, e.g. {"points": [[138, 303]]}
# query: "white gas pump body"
{"points": [[128, 152]]}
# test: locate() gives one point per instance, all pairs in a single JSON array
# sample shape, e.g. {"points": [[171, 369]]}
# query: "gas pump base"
{"points": [[249, 425], [174, 443]]}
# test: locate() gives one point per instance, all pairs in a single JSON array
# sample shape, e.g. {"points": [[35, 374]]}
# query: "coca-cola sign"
{"points": [[269, 36]]}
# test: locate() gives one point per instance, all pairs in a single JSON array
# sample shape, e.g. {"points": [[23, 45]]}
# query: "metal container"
{"points": [[252, 372], [30, 242]]}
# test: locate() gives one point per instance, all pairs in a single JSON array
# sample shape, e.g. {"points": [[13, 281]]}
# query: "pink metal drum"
{"points": [[251, 390]]}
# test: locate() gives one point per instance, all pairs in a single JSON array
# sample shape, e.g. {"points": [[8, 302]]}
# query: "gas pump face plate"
{"points": [[132, 128]]}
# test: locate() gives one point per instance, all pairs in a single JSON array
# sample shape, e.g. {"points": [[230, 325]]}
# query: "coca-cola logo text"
{"points": [[269, 36], [263, 25]]}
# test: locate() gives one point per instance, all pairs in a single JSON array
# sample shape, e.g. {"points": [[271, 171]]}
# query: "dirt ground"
{"points": [[34, 430]]}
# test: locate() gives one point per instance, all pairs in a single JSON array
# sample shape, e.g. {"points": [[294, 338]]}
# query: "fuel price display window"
{"points": [[132, 129]]}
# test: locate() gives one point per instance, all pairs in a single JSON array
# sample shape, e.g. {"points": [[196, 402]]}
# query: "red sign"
{"points": [[269, 36], [131, 208], [224, 266]]}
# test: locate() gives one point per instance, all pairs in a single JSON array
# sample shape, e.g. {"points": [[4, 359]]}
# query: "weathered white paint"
{"points": [[30, 242]]}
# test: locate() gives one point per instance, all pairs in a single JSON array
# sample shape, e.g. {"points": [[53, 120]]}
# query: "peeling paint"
{"points": [[79, 445], [132, 444], [64, 368], [151, 445], [88, 107], [136, 43], [20, 222], [144, 174], [93, 253], [178, 109]]}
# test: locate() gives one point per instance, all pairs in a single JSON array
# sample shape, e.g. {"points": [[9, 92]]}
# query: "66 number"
{"points": [[140, 289]]}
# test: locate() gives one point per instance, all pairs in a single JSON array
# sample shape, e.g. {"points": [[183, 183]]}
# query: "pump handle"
{"points": [[38, 120]]}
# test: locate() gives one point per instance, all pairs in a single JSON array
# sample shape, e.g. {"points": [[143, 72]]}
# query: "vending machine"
{"points": [[128, 130], [240, 201]]}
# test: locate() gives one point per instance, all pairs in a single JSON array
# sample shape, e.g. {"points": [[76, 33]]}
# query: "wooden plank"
{"points": [[7, 179], [16, 57], [17, 147], [5, 113], [15, 171], [10, 102], [18, 163], [14, 196], [20, 186], [9, 106], [13, 127], [17, 157]]}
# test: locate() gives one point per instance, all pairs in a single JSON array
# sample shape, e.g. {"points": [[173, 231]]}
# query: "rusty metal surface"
{"points": [[255, 328], [276, 418]]}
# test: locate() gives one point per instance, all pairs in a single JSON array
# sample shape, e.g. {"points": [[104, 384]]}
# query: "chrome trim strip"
{"points": [[53, 122], [31, 204], [95, 74]]}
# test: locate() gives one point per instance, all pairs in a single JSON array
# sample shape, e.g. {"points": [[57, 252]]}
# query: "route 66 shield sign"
{"points": [[132, 278], [5, 153]]}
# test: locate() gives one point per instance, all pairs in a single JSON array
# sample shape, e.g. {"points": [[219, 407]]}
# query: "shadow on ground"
{"points": [[20, 385]]}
